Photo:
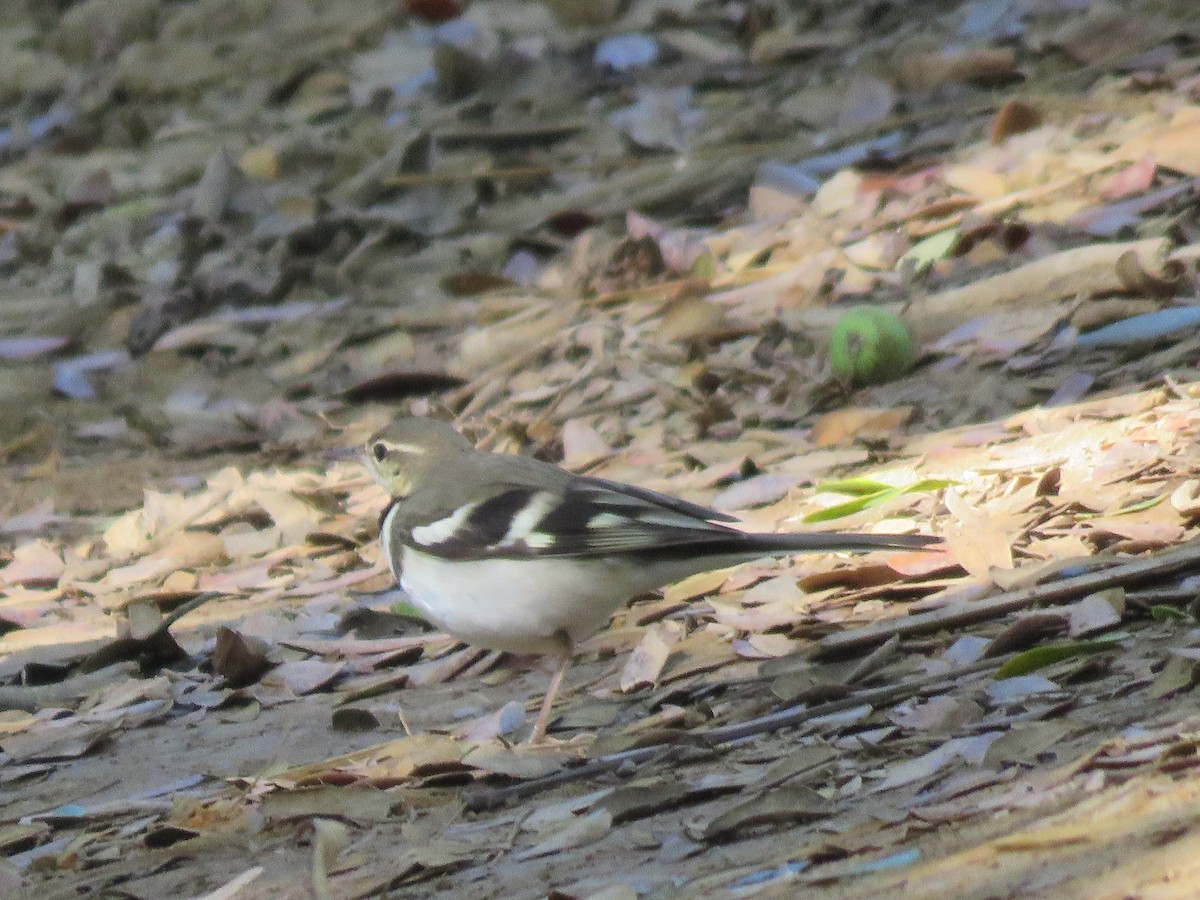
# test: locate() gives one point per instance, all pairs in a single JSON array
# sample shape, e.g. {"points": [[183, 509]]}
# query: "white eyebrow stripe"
{"points": [[442, 530], [521, 529], [406, 448]]}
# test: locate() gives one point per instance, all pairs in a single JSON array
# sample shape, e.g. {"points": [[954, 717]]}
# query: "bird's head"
{"points": [[403, 454]]}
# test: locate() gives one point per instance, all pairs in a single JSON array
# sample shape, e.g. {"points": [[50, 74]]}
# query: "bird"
{"points": [[511, 553]]}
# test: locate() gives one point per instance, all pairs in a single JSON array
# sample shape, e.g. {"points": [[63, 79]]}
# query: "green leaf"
{"points": [[1160, 612], [850, 507], [1048, 655], [704, 267], [929, 484], [1140, 505], [870, 493], [406, 610], [925, 253], [853, 486], [1137, 506]]}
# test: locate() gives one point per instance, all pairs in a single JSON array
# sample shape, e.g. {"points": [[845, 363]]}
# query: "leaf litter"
{"points": [[627, 255]]}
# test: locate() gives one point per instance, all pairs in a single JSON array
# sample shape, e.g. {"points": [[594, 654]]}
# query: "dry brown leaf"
{"points": [[239, 660], [690, 319], [1014, 117], [846, 425], [695, 586], [974, 540], [649, 656]]}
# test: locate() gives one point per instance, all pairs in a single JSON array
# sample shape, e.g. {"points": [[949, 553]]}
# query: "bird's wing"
{"points": [[583, 517]]}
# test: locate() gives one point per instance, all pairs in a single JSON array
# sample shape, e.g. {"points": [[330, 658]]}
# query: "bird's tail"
{"points": [[835, 542]]}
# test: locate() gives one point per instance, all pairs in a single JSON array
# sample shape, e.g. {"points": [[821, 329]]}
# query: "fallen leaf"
{"points": [[938, 714], [846, 425], [34, 564], [582, 445], [578, 833], [305, 676], [779, 806], [1096, 612], [649, 656], [239, 660]]}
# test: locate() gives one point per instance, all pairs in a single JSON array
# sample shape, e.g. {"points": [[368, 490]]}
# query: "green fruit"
{"points": [[870, 346]]}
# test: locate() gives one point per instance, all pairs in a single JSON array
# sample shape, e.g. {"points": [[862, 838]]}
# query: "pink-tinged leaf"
{"points": [[1150, 533], [338, 583], [1108, 219], [582, 444], [756, 618], [1133, 179], [938, 714], [35, 564], [1073, 389], [508, 719]]}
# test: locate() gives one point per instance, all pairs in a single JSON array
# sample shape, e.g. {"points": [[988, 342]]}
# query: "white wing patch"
{"points": [[604, 520], [667, 519], [442, 530], [521, 529]]}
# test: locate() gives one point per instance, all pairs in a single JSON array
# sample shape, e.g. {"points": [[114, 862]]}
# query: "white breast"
{"points": [[522, 606]]}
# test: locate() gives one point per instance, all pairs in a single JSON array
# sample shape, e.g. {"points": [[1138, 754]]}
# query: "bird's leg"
{"points": [[538, 735]]}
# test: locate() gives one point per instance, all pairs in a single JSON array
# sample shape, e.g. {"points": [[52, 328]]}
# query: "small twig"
{"points": [[1116, 574]]}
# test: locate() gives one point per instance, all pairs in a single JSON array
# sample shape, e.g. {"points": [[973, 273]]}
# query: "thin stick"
{"points": [[1114, 575]]}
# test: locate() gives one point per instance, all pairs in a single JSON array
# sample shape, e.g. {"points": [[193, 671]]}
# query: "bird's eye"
{"points": [[379, 451]]}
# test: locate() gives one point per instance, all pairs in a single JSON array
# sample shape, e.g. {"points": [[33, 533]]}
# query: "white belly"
{"points": [[497, 604]]}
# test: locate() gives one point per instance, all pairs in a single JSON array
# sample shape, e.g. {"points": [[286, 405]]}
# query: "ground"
{"points": [[835, 267]]}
